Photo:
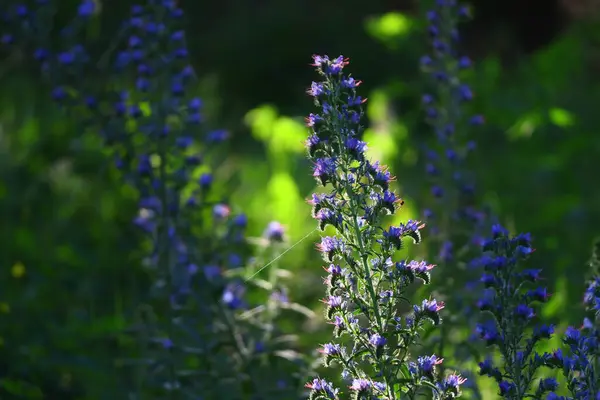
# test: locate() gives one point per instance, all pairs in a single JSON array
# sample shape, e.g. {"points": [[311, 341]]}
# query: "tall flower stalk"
{"points": [[207, 338], [456, 219], [580, 364], [366, 287], [197, 332], [510, 300]]}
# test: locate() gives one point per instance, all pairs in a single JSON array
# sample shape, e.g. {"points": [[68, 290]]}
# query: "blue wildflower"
{"points": [[363, 294], [511, 307]]}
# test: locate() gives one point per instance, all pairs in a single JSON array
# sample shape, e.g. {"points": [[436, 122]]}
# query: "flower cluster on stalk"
{"points": [[196, 248], [365, 284], [511, 297], [453, 186], [580, 364], [456, 219]]}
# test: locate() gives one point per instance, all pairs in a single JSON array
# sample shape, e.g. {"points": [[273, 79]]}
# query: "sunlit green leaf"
{"points": [[561, 117], [389, 26], [288, 135], [525, 126], [145, 109], [558, 301], [284, 198], [261, 120]]}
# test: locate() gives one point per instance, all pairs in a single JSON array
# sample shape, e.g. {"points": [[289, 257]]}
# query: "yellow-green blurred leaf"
{"points": [[392, 25], [382, 145], [285, 199], [261, 120], [17, 270], [377, 105], [558, 301], [561, 117], [525, 126], [155, 160], [288, 136], [145, 109]]}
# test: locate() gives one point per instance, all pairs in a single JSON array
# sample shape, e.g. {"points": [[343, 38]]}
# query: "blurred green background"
{"points": [[70, 274]]}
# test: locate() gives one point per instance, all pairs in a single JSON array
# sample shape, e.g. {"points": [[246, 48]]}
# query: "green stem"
{"points": [[165, 257], [371, 290], [368, 279]]}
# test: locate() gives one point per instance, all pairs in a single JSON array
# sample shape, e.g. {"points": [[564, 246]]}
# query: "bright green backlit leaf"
{"points": [[385, 133], [377, 106], [285, 197], [389, 26], [261, 120], [557, 302], [382, 145], [18, 270], [525, 126], [288, 135], [145, 109], [155, 160], [561, 117]]}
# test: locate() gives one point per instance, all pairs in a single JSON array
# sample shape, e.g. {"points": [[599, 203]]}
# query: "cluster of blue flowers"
{"points": [[512, 329], [458, 224], [202, 337], [454, 219], [510, 298], [172, 173], [510, 295], [197, 253], [365, 285], [581, 363]]}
